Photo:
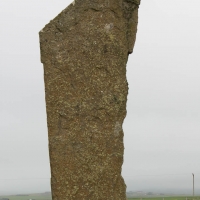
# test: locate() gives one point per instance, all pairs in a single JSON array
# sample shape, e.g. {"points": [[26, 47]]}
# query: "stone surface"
{"points": [[84, 51]]}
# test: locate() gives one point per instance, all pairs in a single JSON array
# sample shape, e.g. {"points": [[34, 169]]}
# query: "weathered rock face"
{"points": [[84, 51]]}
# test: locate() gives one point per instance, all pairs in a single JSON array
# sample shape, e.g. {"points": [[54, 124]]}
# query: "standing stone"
{"points": [[84, 51]]}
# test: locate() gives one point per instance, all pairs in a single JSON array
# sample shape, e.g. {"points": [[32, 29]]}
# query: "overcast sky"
{"points": [[162, 127]]}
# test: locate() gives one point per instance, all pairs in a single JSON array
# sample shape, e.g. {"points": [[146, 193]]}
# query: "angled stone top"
{"points": [[74, 14]]}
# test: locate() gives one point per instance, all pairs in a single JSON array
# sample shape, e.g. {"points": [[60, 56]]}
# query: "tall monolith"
{"points": [[84, 51]]}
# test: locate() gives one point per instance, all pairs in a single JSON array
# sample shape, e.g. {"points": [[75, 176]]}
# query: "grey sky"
{"points": [[162, 129]]}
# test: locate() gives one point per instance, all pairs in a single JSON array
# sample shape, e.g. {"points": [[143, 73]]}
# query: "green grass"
{"points": [[47, 197], [165, 198], [36, 197]]}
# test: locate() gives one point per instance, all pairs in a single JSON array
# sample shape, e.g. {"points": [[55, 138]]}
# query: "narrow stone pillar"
{"points": [[84, 51]]}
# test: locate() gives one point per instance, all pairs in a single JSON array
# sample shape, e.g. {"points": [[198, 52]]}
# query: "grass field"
{"points": [[27, 197], [166, 198], [47, 197]]}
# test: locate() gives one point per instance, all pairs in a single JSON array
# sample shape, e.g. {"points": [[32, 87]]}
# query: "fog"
{"points": [[161, 130]]}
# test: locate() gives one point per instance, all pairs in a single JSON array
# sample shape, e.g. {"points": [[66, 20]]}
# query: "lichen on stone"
{"points": [[84, 51]]}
